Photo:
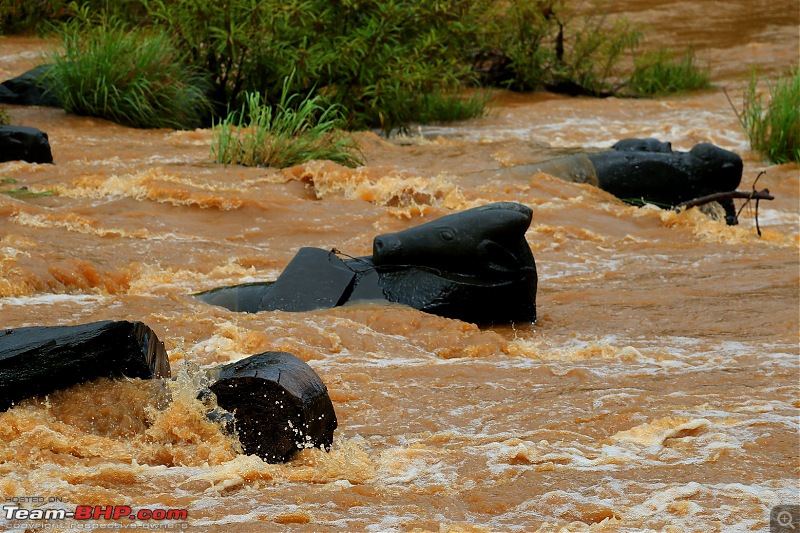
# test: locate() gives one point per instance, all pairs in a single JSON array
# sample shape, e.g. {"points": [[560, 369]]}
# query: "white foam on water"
{"points": [[52, 299], [417, 466], [772, 217], [581, 131], [548, 270]]}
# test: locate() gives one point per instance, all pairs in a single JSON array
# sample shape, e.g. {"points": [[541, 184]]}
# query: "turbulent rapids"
{"points": [[657, 389]]}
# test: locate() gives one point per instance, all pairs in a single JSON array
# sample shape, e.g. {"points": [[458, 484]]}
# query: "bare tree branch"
{"points": [[763, 194], [750, 195]]}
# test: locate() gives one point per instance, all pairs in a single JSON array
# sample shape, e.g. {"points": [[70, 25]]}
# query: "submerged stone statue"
{"points": [[474, 265], [649, 170], [273, 402], [670, 177], [642, 145]]}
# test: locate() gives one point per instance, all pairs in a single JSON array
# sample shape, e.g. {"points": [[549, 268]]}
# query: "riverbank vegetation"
{"points": [[135, 77], [383, 64], [660, 72], [291, 132], [773, 126], [387, 63]]}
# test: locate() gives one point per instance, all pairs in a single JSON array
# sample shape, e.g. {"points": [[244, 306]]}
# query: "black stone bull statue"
{"points": [[649, 170], [474, 265]]}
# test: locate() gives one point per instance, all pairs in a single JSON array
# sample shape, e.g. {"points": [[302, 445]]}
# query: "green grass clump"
{"points": [[292, 132], [450, 106], [774, 128], [5, 120], [131, 76], [660, 72]]}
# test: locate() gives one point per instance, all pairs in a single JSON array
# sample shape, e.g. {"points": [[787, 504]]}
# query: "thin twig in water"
{"points": [[757, 198], [763, 194]]}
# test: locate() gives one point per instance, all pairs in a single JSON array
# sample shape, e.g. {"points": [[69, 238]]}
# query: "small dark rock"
{"points": [[21, 143]]}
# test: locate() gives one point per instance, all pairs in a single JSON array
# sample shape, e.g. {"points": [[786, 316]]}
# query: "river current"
{"points": [[657, 390]]}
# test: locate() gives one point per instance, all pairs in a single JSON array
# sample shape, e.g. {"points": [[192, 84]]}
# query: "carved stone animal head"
{"points": [[718, 169], [487, 241]]}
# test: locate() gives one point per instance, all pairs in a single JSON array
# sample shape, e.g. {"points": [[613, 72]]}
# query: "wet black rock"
{"points": [[21, 143], [29, 88]]}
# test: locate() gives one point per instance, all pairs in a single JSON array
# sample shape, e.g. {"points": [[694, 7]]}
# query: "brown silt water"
{"points": [[656, 391]]}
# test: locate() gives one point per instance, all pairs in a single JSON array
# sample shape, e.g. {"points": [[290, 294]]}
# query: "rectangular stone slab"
{"points": [[313, 279]]}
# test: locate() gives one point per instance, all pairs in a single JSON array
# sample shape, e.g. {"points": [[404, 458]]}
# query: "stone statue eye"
{"points": [[446, 235]]}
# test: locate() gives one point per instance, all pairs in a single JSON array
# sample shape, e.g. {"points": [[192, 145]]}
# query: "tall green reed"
{"points": [[773, 127]]}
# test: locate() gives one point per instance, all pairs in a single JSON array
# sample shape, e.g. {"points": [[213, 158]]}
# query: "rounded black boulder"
{"points": [[280, 405], [30, 88], [21, 143]]}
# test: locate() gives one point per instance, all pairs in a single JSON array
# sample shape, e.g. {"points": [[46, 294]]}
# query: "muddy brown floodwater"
{"points": [[657, 391]]}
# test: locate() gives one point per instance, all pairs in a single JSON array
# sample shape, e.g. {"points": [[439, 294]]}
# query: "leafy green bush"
{"points": [[593, 51], [131, 76], [376, 58], [26, 16], [294, 131], [660, 72], [774, 128], [19, 16], [546, 44], [386, 63]]}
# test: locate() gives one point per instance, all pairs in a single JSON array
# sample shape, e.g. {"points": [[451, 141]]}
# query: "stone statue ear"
{"points": [[496, 257]]}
